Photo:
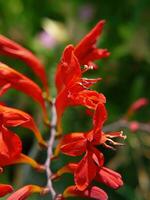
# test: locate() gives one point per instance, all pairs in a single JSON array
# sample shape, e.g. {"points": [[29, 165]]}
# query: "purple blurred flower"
{"points": [[86, 12], [47, 40]]}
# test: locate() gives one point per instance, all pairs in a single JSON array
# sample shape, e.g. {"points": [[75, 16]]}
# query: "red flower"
{"points": [[25, 192], [103, 175], [87, 168], [92, 192], [5, 189], [10, 146], [9, 78], [73, 89], [12, 49], [134, 126], [76, 144], [86, 50], [109, 177], [67, 68], [14, 117], [141, 102], [78, 95]]}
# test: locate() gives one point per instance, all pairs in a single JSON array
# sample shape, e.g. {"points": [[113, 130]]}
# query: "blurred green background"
{"points": [[46, 27]]}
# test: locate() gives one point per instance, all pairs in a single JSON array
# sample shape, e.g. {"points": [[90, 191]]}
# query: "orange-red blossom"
{"points": [[91, 165], [72, 90]]}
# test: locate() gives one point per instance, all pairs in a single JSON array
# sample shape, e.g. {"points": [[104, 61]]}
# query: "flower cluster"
{"points": [[10, 142], [73, 89]]}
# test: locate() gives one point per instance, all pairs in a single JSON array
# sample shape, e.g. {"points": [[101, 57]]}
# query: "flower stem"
{"points": [[50, 149]]}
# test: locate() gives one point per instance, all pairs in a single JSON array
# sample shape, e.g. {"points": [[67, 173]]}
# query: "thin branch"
{"points": [[122, 123], [50, 149]]}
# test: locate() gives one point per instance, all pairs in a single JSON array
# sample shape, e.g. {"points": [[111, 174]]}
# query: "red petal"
{"points": [[96, 54], [25, 192], [86, 50], [93, 193], [68, 69], [12, 49], [69, 168], [100, 116], [76, 94], [71, 72], [97, 156], [110, 178], [74, 144], [85, 172], [21, 83], [65, 59], [89, 98], [22, 158], [4, 89], [15, 117], [9, 149], [61, 104], [139, 103], [136, 106], [5, 189]]}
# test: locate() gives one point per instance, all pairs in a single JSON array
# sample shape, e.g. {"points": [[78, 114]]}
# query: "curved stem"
{"points": [[50, 149]]}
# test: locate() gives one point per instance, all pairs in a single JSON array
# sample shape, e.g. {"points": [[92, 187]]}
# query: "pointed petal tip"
{"points": [[24, 192], [5, 189], [102, 22]]}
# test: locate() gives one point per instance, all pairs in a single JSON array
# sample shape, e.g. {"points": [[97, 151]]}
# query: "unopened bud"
{"points": [[134, 126]]}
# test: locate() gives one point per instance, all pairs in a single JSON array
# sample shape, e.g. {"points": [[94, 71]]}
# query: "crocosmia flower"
{"points": [[25, 192], [73, 89], [75, 144], [86, 51], [10, 149], [12, 49], [10, 78], [92, 193], [14, 117]]}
